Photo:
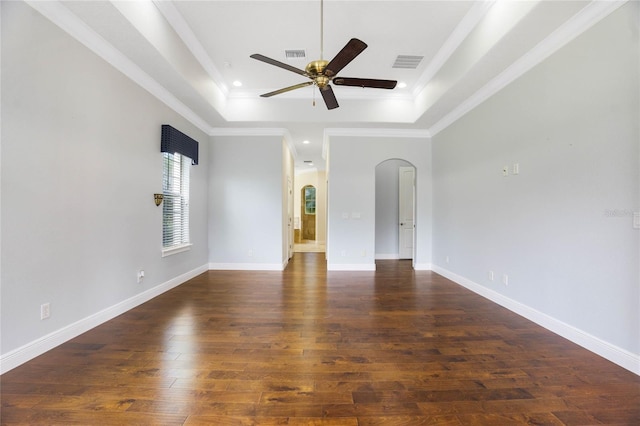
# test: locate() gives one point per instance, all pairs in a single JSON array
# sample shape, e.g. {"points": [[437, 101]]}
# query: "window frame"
{"points": [[170, 181]]}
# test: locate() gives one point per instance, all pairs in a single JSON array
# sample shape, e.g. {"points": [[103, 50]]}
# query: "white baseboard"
{"points": [[613, 353], [27, 352], [422, 267], [387, 256], [247, 266], [351, 267]]}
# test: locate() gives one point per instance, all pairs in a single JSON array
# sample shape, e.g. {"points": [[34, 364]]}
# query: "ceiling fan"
{"points": [[322, 72]]}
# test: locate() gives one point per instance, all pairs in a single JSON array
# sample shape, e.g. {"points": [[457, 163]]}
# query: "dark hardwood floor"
{"points": [[311, 347]]}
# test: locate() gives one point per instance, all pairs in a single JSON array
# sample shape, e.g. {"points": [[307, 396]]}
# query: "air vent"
{"points": [[295, 54], [308, 161], [407, 62]]}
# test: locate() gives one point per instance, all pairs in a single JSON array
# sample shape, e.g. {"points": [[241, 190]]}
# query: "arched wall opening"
{"points": [[394, 209]]}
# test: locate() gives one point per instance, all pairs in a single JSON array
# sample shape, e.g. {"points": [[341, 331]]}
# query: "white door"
{"points": [[290, 215], [406, 211]]}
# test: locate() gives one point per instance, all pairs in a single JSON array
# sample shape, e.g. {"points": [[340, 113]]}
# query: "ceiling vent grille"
{"points": [[407, 62], [295, 54]]}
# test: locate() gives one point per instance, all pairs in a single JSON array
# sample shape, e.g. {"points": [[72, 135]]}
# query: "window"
{"points": [[309, 200], [175, 213]]}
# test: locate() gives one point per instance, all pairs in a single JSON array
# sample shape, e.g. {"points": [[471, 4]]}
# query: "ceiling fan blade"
{"points": [[365, 82], [287, 89], [278, 64], [329, 98], [352, 49]]}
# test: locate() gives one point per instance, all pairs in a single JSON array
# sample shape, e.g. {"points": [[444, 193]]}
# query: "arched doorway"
{"points": [[395, 210]]}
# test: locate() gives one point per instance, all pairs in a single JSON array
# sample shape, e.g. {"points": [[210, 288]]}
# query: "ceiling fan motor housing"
{"points": [[315, 70]]}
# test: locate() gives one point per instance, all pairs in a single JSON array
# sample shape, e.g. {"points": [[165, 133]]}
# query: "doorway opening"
{"points": [[310, 206], [395, 210], [308, 213]]}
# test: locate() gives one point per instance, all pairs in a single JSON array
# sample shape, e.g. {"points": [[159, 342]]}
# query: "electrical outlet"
{"points": [[490, 275], [446, 259], [45, 311], [140, 275], [505, 279]]}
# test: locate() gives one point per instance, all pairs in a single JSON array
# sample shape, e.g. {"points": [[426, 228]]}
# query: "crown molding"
{"points": [[356, 93], [180, 26], [57, 13], [376, 132], [61, 16], [248, 131], [371, 132], [578, 24], [459, 34], [256, 131]]}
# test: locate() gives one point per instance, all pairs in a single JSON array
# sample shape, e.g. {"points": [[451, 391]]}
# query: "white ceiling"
{"points": [[189, 53]]}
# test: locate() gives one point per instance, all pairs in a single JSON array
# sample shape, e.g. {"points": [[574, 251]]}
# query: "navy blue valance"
{"points": [[175, 141]]}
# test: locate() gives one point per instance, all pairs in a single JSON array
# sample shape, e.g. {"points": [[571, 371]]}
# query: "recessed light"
{"points": [[402, 85], [306, 142], [237, 83]]}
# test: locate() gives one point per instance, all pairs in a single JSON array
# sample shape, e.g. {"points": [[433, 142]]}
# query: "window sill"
{"points": [[176, 249]]}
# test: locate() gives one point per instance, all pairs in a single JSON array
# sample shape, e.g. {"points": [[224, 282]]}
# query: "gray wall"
{"points": [[246, 203], [352, 192], [572, 125], [80, 164]]}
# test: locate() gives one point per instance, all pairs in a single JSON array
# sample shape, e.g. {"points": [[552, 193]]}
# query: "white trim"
{"points": [[180, 26], [345, 92], [371, 132], [27, 352], [169, 251], [257, 131], [57, 13], [468, 23], [387, 256], [422, 267], [578, 24], [61, 16], [351, 266], [613, 353], [246, 266], [248, 131], [377, 132]]}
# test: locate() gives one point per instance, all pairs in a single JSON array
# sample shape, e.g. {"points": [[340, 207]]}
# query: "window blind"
{"points": [[175, 188]]}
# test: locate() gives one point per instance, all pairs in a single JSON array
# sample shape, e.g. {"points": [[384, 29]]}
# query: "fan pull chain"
{"points": [[314, 95]]}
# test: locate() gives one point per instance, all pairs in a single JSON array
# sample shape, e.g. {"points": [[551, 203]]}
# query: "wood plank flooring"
{"points": [[311, 347]]}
